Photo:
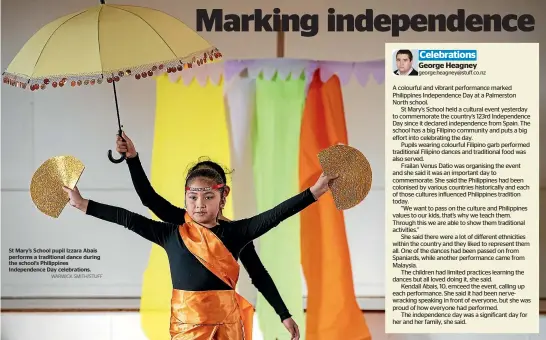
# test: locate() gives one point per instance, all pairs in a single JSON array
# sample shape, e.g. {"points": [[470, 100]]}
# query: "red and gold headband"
{"points": [[214, 187]]}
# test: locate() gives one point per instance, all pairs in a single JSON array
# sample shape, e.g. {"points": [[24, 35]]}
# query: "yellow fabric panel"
{"points": [[190, 123]]}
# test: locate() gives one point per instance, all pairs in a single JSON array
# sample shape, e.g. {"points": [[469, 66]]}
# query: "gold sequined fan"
{"points": [[46, 186], [355, 174]]}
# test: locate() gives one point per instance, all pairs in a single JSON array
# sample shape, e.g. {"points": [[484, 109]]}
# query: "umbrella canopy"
{"points": [[107, 42]]}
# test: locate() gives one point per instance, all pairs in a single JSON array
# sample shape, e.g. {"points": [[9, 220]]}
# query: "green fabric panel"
{"points": [[275, 140]]}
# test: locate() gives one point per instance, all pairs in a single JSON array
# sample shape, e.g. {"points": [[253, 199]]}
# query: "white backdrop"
{"points": [[123, 254]]}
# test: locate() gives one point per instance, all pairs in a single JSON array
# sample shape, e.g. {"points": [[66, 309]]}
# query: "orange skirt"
{"points": [[208, 315]]}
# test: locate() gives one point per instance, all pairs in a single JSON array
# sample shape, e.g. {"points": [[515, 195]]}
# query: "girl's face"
{"points": [[203, 206]]}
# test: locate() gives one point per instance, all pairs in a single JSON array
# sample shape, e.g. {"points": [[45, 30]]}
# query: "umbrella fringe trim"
{"points": [[138, 72]]}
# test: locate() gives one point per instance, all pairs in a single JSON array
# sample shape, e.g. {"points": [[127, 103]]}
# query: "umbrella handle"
{"points": [[119, 160]]}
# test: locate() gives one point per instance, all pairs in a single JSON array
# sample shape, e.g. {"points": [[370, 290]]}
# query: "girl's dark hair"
{"points": [[207, 169], [205, 173]]}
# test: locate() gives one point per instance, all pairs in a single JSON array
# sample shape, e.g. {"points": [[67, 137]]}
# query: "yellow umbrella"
{"points": [[107, 43]]}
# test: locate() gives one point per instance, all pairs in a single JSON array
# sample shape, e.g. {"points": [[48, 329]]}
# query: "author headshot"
{"points": [[404, 63]]}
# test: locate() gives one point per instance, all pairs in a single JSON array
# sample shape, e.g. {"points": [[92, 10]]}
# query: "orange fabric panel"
{"points": [[332, 310], [214, 255], [205, 315]]}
